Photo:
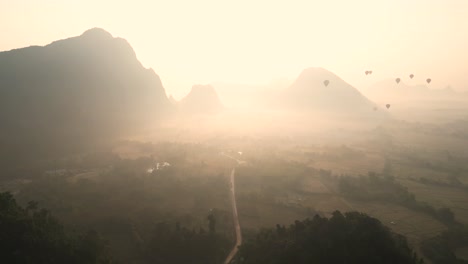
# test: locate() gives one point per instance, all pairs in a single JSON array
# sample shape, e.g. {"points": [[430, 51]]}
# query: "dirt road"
{"points": [[236, 220]]}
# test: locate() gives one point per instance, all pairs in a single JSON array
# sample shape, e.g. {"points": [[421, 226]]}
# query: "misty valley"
{"points": [[99, 164]]}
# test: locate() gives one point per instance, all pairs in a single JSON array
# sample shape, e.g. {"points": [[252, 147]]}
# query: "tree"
{"points": [[344, 238], [446, 215], [35, 236], [212, 225]]}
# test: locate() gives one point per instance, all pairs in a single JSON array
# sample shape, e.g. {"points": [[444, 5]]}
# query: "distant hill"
{"points": [[309, 92], [389, 90], [172, 100], [75, 91], [202, 99]]}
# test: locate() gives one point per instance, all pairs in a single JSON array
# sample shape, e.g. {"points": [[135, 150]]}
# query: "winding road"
{"points": [[236, 221], [234, 214]]}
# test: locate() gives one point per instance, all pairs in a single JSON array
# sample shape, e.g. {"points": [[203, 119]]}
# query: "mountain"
{"points": [[309, 92], [75, 91], [202, 99], [172, 100]]}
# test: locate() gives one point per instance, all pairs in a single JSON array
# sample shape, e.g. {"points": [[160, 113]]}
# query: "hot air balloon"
{"points": [[326, 82], [367, 72], [428, 80], [370, 72], [375, 108], [388, 106], [397, 80], [411, 76]]}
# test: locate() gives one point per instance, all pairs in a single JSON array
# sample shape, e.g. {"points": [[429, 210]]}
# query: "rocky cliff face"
{"points": [[77, 90]]}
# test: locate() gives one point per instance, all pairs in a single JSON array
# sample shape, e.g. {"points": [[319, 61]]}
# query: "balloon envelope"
{"points": [[388, 106], [326, 82], [411, 76], [397, 80], [429, 80]]}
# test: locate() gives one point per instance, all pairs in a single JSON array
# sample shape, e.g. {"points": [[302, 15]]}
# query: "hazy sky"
{"points": [[257, 41]]}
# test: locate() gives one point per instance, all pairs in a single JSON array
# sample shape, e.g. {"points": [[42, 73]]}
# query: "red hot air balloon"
{"points": [[428, 80], [397, 80], [411, 76], [326, 82], [367, 72], [388, 106]]}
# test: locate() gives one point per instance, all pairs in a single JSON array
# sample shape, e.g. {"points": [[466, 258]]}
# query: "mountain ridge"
{"points": [[318, 89], [77, 90], [202, 99]]}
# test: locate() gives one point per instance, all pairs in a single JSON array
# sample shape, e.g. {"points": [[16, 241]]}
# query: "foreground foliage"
{"points": [[29, 235], [174, 244]]}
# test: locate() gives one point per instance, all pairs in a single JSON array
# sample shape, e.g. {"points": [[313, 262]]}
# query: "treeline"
{"points": [[350, 238], [32, 235], [123, 201], [452, 182], [174, 244], [29, 235], [440, 249], [375, 187]]}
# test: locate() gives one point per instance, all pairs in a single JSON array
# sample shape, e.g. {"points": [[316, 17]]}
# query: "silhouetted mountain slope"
{"points": [[76, 90], [172, 100], [309, 92], [202, 99]]}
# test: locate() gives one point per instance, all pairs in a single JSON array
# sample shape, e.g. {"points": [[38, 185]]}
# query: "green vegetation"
{"points": [[181, 213], [267, 179], [349, 238], [440, 249], [35, 236], [71, 110], [32, 235], [173, 244], [385, 188], [126, 203]]}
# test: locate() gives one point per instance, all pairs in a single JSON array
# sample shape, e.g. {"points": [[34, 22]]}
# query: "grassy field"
{"points": [[415, 226], [442, 196], [285, 178], [318, 195]]}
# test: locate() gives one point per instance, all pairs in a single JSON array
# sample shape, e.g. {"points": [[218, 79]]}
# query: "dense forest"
{"points": [[440, 249], [344, 238], [33, 235], [182, 213]]}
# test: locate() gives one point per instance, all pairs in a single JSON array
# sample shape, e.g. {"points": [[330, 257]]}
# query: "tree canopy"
{"points": [[350, 238], [32, 235]]}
